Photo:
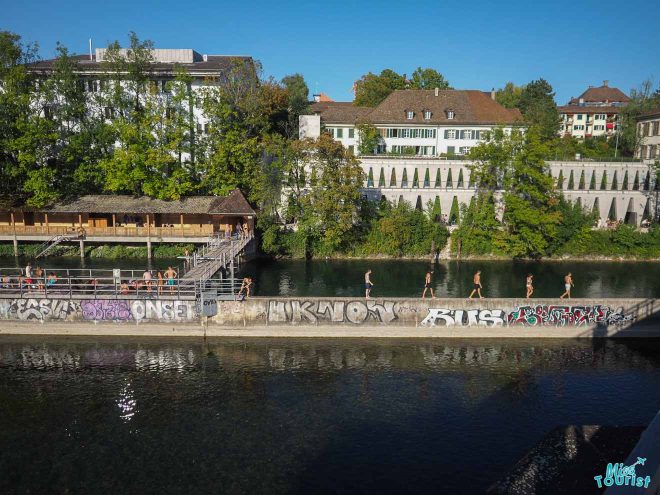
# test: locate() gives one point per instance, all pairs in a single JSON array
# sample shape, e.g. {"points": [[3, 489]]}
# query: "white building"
{"points": [[96, 75], [648, 130], [414, 122], [594, 113]]}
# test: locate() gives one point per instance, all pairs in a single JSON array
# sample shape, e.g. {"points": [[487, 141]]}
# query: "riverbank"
{"points": [[309, 331]]}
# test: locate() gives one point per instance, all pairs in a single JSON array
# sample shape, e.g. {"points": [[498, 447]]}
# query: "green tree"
{"points": [[454, 212], [509, 95], [298, 101], [642, 99], [371, 89], [369, 139], [560, 180], [592, 184], [415, 179], [381, 178], [625, 181], [477, 232], [581, 184], [428, 79], [537, 104], [427, 178], [603, 182], [615, 182], [571, 182]]}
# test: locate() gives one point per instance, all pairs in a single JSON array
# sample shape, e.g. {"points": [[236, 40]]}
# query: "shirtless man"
{"points": [[530, 287], [477, 285], [428, 285], [368, 284], [170, 276], [245, 286], [568, 283]]}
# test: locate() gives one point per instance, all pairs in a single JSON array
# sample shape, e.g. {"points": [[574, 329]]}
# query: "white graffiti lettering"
{"points": [[459, 317]]}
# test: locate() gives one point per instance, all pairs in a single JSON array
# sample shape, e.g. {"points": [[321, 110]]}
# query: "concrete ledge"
{"points": [[190, 330]]}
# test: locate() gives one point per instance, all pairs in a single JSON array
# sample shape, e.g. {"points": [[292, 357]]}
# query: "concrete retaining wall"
{"points": [[431, 313], [346, 312]]}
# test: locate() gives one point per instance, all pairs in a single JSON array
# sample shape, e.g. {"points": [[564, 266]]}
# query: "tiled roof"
{"points": [[601, 93], [339, 112], [234, 203], [214, 63], [574, 109], [468, 106], [650, 114]]}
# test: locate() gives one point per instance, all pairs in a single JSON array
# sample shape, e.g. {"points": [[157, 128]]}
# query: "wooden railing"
{"points": [[176, 231]]}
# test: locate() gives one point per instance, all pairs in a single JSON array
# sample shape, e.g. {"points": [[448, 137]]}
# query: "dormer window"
{"points": [[410, 114], [427, 114], [450, 115]]}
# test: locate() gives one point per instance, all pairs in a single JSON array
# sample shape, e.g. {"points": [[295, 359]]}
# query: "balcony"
{"points": [[131, 232]]}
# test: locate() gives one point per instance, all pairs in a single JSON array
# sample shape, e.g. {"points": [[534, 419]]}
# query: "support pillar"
{"points": [[13, 224], [82, 248], [148, 249], [15, 246]]}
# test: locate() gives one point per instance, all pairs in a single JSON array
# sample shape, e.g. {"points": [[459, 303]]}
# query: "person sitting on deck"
{"points": [[6, 282], [123, 288], [51, 280]]}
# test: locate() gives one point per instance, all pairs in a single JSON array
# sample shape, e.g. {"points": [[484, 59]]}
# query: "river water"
{"points": [[405, 278], [301, 417]]}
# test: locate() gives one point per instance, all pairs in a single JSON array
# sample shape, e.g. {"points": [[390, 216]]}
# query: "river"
{"points": [[405, 278], [313, 416]]}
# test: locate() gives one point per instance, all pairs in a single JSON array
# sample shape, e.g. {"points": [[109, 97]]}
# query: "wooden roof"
{"points": [[234, 203]]}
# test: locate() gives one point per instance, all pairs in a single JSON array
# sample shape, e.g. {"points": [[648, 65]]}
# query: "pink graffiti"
{"points": [[106, 310]]}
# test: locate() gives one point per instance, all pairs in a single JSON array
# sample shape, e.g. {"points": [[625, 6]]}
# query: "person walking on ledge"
{"points": [[428, 284], [367, 284], [477, 285], [530, 287], [568, 283]]}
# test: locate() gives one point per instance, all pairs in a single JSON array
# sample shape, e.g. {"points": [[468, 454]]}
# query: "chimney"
{"points": [[90, 50], [581, 102], [317, 98], [205, 57], [437, 91], [492, 94], [605, 83]]}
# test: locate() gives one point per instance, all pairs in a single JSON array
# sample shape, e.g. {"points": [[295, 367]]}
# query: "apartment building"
{"points": [[594, 113], [96, 75], [648, 130], [414, 122]]}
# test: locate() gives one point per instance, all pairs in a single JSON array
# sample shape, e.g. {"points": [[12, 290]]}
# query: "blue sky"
{"points": [[478, 44]]}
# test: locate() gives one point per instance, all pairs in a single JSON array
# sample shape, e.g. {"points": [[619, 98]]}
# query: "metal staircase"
{"points": [[47, 246]]}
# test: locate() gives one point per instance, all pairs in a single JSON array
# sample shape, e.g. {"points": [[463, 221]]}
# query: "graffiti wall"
{"points": [[97, 310], [415, 312]]}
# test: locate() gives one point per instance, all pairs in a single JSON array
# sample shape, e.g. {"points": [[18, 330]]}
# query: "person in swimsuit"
{"points": [[530, 287], [477, 285], [170, 275], [245, 286], [368, 285], [568, 283], [160, 283], [428, 284]]}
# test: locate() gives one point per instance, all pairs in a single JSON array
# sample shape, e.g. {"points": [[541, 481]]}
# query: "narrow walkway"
{"points": [[218, 253]]}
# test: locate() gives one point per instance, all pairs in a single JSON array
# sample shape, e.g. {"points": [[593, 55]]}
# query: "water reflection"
{"points": [[310, 416]]}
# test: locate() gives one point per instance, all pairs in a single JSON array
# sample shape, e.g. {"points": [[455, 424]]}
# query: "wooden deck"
{"points": [[137, 232]]}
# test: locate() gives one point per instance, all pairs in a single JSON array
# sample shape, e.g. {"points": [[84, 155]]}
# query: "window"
{"points": [[103, 85], [48, 112], [467, 135], [451, 150], [199, 128], [427, 114], [599, 128], [656, 127], [600, 116], [450, 134], [109, 112], [351, 133], [410, 114], [578, 128], [351, 149], [464, 150], [206, 129], [450, 114], [579, 116], [340, 133]]}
